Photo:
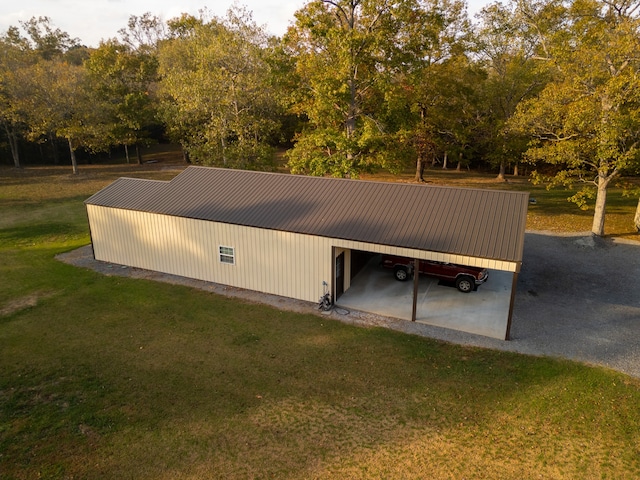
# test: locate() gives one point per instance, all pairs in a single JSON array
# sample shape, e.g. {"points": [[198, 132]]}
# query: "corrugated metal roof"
{"points": [[472, 222]]}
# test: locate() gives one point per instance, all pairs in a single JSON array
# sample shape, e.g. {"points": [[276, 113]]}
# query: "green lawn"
{"points": [[112, 378]]}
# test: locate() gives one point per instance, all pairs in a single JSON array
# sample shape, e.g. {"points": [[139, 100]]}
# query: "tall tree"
{"points": [[216, 96], [47, 41], [587, 121], [439, 81], [125, 80], [20, 49], [342, 49], [12, 119], [143, 33], [455, 112], [61, 102], [506, 46]]}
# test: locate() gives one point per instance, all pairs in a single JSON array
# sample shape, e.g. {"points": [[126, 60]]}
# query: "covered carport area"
{"points": [[460, 226], [486, 311]]}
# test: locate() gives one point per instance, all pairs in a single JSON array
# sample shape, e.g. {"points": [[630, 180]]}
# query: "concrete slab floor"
{"points": [[483, 312]]}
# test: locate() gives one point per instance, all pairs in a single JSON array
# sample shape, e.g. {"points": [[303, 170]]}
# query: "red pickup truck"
{"points": [[465, 278]]}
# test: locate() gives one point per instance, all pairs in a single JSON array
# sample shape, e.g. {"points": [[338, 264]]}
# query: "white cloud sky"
{"points": [[94, 20]]}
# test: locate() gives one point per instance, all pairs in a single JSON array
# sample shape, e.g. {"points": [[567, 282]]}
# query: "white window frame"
{"points": [[227, 255]]}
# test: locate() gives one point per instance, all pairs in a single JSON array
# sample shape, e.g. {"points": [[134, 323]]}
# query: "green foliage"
{"points": [[24, 53], [447, 100], [61, 102], [124, 80], [216, 91], [327, 152], [44, 39], [583, 197], [587, 121], [247, 155], [388, 77], [507, 45], [362, 85], [47, 91], [344, 52]]}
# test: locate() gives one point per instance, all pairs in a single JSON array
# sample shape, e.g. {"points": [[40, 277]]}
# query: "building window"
{"points": [[227, 255]]}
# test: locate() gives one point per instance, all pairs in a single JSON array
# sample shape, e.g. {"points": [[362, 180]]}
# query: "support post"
{"points": [[332, 285], [511, 302], [416, 278]]}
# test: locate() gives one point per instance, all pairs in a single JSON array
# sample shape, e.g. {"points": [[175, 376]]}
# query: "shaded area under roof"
{"points": [[472, 222]]}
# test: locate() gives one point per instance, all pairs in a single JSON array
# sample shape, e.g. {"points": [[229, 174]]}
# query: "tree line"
{"points": [[552, 86]]}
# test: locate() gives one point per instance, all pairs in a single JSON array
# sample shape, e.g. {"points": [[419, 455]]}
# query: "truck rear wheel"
{"points": [[401, 273]]}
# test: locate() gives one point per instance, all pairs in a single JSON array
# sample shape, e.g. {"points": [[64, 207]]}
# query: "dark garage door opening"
{"points": [[359, 260]]}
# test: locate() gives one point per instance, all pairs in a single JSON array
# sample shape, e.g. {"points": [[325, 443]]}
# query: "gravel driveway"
{"points": [[578, 297]]}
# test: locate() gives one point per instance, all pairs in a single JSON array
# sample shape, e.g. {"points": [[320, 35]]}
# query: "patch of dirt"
{"points": [[22, 303]]}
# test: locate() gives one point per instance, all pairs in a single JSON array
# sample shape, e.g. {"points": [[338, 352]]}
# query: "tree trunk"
{"points": [[603, 178], [138, 154], [459, 166], [74, 164], [350, 124], [13, 143], [223, 143], [126, 152], [601, 205], [444, 161], [420, 168], [54, 148], [185, 155], [353, 75], [422, 141], [515, 170], [502, 171], [636, 219]]}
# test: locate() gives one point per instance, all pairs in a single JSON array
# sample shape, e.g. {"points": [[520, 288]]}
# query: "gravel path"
{"points": [[578, 297]]}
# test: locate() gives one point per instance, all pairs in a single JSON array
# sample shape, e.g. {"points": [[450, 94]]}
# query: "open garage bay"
{"points": [[484, 311]]}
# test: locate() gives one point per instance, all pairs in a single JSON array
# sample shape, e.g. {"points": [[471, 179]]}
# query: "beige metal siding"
{"points": [[268, 261]]}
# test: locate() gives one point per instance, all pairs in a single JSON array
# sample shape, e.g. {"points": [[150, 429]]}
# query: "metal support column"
{"points": [[416, 278], [511, 302]]}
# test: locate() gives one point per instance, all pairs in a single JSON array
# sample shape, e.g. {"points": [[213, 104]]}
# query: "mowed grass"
{"points": [[110, 378]]}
